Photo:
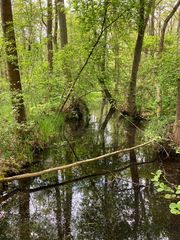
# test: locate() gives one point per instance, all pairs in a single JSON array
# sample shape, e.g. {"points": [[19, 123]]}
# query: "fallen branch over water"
{"points": [[76, 164], [70, 181]]}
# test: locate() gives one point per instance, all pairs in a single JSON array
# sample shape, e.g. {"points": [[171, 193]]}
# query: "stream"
{"points": [[96, 201]]}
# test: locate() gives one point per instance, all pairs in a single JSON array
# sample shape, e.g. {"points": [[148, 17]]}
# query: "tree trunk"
{"points": [[152, 20], [161, 43], [49, 35], [12, 62], [177, 121], [161, 49], [62, 23], [136, 61], [55, 25], [29, 35], [102, 77], [117, 66], [157, 85]]}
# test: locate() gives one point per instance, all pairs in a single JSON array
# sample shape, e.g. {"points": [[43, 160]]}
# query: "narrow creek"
{"points": [[95, 201]]}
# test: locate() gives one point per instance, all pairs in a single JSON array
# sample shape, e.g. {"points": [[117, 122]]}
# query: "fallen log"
{"points": [[75, 164]]}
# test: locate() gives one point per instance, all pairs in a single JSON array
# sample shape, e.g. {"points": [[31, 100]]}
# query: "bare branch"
{"points": [[75, 164]]}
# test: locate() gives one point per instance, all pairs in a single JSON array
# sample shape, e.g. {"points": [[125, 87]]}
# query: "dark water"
{"points": [[95, 201]]}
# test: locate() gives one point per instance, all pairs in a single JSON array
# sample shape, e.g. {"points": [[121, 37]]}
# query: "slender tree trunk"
{"points": [[159, 99], [29, 11], [55, 25], [117, 67], [163, 31], [152, 21], [161, 49], [177, 121], [107, 94], [12, 62], [157, 85], [102, 77], [49, 35], [62, 23], [136, 61]]}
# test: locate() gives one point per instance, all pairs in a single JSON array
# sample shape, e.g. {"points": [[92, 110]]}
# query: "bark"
{"points": [[62, 23], [103, 63], [102, 83], [12, 62], [136, 61], [42, 15], [29, 37], [108, 117], [55, 25], [177, 121], [158, 89], [152, 21], [161, 49], [49, 35], [178, 27], [117, 68], [168, 18]]}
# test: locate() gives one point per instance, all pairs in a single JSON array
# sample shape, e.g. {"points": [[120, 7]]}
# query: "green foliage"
{"points": [[49, 127], [158, 127], [168, 191], [175, 208], [44, 92]]}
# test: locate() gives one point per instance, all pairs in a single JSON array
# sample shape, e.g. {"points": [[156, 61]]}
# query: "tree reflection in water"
{"points": [[113, 206]]}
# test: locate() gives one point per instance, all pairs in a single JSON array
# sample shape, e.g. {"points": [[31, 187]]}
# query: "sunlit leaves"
{"points": [[170, 192], [175, 208]]}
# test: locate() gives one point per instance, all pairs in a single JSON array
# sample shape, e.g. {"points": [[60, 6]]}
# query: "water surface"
{"points": [[95, 201]]}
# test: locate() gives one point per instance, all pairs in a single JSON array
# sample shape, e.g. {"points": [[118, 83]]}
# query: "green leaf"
{"points": [[174, 211], [156, 184], [155, 179], [159, 172], [178, 191], [172, 205], [160, 190], [178, 205], [167, 196]]}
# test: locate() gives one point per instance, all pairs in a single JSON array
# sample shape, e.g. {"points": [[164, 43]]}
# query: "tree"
{"points": [[62, 23], [142, 22], [12, 62], [177, 121], [168, 18], [49, 35], [55, 24]]}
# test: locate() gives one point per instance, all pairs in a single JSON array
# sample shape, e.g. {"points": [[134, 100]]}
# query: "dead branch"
{"points": [[71, 165]]}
